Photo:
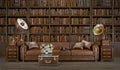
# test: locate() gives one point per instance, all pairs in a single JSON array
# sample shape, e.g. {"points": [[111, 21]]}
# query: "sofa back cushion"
{"points": [[65, 45], [78, 45], [87, 44], [32, 45]]}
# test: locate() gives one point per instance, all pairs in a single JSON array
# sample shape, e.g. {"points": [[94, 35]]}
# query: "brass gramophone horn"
{"points": [[98, 29]]}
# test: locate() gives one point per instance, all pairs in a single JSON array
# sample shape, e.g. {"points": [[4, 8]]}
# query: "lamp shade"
{"points": [[21, 24]]}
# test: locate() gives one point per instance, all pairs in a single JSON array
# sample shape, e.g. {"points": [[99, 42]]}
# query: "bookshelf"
{"points": [[60, 20], [3, 28]]}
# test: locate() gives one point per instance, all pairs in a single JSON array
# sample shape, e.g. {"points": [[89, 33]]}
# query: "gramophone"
{"points": [[98, 30], [21, 26]]}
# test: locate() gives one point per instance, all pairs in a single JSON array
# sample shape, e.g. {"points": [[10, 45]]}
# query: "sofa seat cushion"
{"points": [[33, 52], [82, 52], [65, 52]]}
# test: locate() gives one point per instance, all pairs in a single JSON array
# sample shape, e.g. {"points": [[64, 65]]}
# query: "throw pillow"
{"points": [[87, 44], [42, 46], [46, 48], [79, 45], [32, 45]]}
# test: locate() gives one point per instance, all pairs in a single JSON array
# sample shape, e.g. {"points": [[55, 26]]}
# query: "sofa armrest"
{"points": [[95, 49], [23, 50]]}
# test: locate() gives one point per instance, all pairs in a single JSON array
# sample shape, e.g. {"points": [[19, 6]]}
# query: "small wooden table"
{"points": [[12, 53], [48, 59], [106, 53]]}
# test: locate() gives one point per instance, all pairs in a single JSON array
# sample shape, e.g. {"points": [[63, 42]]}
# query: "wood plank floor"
{"points": [[114, 65]]}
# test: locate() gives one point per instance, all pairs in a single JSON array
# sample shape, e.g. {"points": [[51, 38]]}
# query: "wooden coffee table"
{"points": [[48, 59]]}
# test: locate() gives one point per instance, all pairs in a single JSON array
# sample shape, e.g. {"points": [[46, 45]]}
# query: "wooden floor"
{"points": [[114, 65]]}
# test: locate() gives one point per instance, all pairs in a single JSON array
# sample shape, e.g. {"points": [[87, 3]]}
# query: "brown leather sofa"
{"points": [[67, 52]]}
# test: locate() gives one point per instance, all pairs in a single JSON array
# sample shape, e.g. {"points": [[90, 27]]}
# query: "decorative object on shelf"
{"points": [[21, 26], [105, 42], [98, 29], [12, 40], [46, 49]]}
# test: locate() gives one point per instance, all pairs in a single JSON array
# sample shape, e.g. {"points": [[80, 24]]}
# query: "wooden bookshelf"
{"points": [[60, 20], [3, 27]]}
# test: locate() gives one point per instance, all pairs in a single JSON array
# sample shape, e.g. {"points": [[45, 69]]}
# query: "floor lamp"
{"points": [[21, 26]]}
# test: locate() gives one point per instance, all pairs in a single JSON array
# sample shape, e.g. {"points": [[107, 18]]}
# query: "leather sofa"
{"points": [[65, 51]]}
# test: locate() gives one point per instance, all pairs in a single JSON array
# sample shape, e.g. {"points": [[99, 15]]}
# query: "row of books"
{"points": [[59, 21], [44, 38], [12, 29], [102, 12], [38, 21], [3, 30], [59, 12], [59, 38], [100, 37], [117, 29], [117, 12], [102, 2], [17, 12], [108, 29], [13, 21], [17, 3], [79, 38], [46, 30], [80, 12], [80, 21], [108, 37], [12, 39], [80, 30], [103, 20], [117, 21], [60, 30], [40, 30], [117, 38], [60, 3], [2, 21], [2, 12], [117, 3], [40, 12], [42, 3], [2, 3]]}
